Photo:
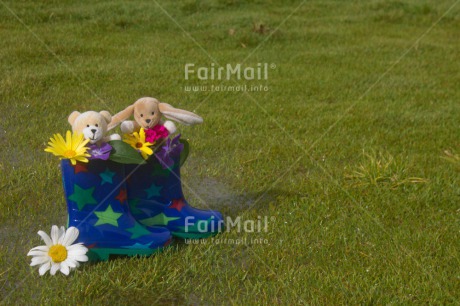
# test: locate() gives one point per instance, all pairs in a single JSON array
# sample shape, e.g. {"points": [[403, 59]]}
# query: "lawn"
{"points": [[352, 152]]}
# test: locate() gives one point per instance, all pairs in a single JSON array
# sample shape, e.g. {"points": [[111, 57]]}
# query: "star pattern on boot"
{"points": [[82, 196], [121, 196], [107, 177], [177, 204], [159, 171], [107, 217], [153, 191], [198, 227], [160, 219], [91, 246], [80, 167], [133, 206], [138, 231]]}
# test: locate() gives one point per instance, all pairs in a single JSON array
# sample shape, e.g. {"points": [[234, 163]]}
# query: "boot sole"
{"points": [[104, 254], [193, 235]]}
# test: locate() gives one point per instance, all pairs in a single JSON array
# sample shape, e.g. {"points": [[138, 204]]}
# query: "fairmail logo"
{"points": [[228, 72], [259, 225]]}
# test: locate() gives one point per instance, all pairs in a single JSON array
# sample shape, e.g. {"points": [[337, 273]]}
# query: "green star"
{"points": [[82, 196], [133, 206], [197, 226], [159, 171], [160, 219], [107, 217], [137, 231], [154, 190], [107, 177]]}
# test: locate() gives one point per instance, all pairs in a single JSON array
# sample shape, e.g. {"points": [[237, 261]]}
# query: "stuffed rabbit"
{"points": [[147, 114]]}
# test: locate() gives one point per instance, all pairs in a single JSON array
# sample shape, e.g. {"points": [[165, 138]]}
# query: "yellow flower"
{"points": [[137, 141], [72, 148]]}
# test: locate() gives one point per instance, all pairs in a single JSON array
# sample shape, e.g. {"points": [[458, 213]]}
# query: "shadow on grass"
{"points": [[213, 194], [210, 193]]}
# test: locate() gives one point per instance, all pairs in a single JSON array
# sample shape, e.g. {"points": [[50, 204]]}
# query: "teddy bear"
{"points": [[147, 113], [92, 125]]}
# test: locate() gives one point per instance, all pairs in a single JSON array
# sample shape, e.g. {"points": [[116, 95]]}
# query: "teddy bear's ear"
{"points": [[73, 116], [106, 116], [121, 116]]}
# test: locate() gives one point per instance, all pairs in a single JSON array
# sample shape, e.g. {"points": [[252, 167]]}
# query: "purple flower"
{"points": [[171, 148], [100, 152]]}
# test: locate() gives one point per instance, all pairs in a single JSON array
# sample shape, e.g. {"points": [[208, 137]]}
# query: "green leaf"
{"points": [[185, 151], [123, 153]]}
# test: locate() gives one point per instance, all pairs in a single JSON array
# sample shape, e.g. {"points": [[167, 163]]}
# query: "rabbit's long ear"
{"points": [[120, 117], [179, 115]]}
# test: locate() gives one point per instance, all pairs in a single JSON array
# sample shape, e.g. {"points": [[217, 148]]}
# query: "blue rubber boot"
{"points": [[98, 207], [156, 199]]}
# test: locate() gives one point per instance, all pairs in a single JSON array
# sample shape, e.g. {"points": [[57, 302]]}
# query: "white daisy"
{"points": [[58, 254]]}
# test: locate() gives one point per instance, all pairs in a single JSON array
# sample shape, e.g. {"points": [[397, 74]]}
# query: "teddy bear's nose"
{"points": [[147, 120], [94, 131]]}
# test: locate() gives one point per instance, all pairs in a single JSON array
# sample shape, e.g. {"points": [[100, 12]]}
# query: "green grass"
{"points": [[382, 169], [284, 153]]}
